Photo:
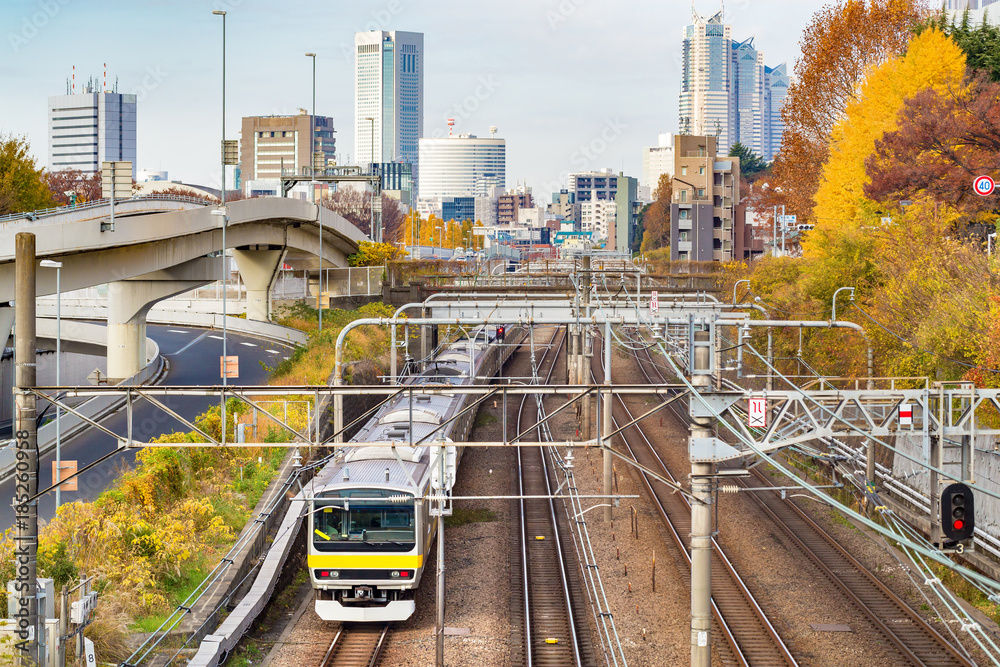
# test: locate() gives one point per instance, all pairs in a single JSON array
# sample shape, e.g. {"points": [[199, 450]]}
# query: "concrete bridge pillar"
{"points": [[129, 302], [259, 267]]}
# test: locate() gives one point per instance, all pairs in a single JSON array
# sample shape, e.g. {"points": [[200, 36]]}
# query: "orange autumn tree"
{"points": [[842, 44], [933, 61]]}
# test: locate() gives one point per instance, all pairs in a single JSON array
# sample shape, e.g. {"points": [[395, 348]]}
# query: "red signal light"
{"points": [[404, 573], [959, 524]]}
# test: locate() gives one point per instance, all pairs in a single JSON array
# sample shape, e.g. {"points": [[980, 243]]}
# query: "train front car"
{"points": [[368, 536], [370, 528]]}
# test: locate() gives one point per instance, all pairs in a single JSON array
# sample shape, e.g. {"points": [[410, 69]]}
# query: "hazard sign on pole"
{"points": [[757, 414], [654, 302]]}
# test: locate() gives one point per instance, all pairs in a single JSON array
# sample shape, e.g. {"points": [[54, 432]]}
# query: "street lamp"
{"points": [[50, 264], [834, 317], [371, 168], [312, 186], [312, 128], [742, 280], [223, 211], [372, 144]]}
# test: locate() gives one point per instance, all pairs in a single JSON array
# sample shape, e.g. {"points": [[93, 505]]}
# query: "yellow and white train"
{"points": [[370, 531]]}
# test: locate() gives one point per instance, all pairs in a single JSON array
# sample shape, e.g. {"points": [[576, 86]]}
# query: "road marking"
{"points": [[171, 354], [176, 331], [216, 337], [272, 352], [248, 344]]}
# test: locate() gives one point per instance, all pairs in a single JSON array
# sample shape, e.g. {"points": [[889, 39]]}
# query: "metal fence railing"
{"points": [[55, 210]]}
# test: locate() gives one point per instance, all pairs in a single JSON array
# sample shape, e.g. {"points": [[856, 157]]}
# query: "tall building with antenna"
{"points": [[388, 96], [91, 126]]}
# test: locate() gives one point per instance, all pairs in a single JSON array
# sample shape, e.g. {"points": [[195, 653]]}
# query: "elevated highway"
{"points": [[161, 247]]}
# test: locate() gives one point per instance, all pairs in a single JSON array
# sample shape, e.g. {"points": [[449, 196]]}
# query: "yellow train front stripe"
{"points": [[365, 561]]}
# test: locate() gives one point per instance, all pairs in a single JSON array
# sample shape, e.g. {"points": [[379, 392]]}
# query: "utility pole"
{"points": [[701, 518], [583, 365], [26, 437], [608, 424]]}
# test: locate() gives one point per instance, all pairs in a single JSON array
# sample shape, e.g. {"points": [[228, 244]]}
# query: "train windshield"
{"points": [[364, 520]]}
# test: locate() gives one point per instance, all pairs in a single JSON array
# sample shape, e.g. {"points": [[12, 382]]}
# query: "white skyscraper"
{"points": [[726, 90], [657, 160], [89, 128], [462, 166], [388, 96], [707, 106]]}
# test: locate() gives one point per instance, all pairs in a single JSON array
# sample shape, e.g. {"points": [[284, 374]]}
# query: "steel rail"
{"points": [[779, 649], [356, 645], [530, 653], [932, 647]]}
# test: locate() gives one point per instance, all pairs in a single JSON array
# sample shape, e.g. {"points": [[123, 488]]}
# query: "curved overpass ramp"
{"points": [[160, 248]]}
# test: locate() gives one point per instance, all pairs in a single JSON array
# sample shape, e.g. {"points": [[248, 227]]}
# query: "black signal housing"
{"points": [[958, 512]]}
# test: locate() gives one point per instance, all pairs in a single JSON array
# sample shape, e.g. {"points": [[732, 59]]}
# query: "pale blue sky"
{"points": [[570, 83]]}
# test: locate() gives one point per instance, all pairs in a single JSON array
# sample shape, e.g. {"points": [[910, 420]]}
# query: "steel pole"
{"points": [[608, 425], [701, 526], [58, 383], [225, 220], [26, 437], [440, 562], [583, 365]]}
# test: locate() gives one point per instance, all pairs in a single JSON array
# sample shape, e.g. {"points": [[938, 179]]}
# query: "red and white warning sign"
{"points": [[654, 302], [905, 414], [757, 414]]}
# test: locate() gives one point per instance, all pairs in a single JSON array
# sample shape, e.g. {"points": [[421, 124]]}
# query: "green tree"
{"points": [[981, 44], [22, 184], [751, 164]]}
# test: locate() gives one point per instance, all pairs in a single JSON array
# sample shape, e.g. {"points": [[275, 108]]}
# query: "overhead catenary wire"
{"points": [[752, 446]]}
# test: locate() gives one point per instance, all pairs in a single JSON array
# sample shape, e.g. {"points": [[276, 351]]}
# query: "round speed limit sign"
{"points": [[984, 186]]}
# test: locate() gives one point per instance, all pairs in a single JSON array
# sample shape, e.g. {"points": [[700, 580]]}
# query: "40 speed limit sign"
{"points": [[984, 186]]}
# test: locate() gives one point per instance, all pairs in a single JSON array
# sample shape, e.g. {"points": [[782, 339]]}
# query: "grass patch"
{"points": [[177, 591], [483, 418], [462, 516], [245, 656]]}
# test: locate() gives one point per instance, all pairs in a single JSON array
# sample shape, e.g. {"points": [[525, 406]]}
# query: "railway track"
{"points": [[913, 639], [551, 634], [356, 645], [741, 631]]}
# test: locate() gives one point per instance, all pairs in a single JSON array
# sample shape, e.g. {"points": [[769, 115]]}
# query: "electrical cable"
{"points": [[920, 349]]}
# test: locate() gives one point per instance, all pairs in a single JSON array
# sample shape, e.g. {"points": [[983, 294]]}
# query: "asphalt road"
{"points": [[194, 360]]}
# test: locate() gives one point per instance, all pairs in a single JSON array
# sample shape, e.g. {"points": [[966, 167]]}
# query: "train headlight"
{"points": [[327, 574], [400, 574]]}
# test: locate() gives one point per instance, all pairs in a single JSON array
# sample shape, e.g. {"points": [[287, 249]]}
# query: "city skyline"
{"points": [[511, 70]]}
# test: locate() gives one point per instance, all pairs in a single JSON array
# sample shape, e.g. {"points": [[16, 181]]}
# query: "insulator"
{"points": [[728, 488]]}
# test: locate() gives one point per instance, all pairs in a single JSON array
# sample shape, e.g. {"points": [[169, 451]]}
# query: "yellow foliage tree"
{"points": [[932, 60], [441, 233], [375, 254]]}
